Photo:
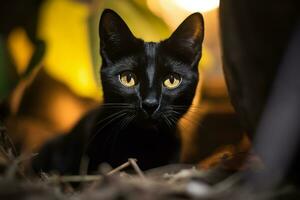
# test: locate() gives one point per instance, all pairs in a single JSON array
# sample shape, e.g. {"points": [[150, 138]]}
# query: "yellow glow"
{"points": [[166, 9], [21, 49], [197, 5], [68, 58], [175, 11], [206, 58]]}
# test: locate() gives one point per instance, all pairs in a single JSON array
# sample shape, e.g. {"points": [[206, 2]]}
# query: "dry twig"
{"points": [[136, 167]]}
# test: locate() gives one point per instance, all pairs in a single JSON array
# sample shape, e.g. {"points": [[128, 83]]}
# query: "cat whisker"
{"points": [[114, 117], [182, 107], [124, 123], [183, 117], [167, 121], [115, 136], [196, 111], [174, 120], [173, 111], [127, 121], [190, 108], [191, 121], [110, 116]]}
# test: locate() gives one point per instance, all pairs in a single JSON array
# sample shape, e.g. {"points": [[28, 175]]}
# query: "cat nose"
{"points": [[150, 105]]}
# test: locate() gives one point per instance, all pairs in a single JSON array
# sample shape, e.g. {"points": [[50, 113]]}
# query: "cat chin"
{"points": [[151, 126]]}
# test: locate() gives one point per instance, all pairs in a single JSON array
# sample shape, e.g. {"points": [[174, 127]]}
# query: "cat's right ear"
{"points": [[115, 36], [186, 41]]}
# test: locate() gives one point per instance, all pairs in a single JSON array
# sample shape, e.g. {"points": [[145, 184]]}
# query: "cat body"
{"points": [[147, 88]]}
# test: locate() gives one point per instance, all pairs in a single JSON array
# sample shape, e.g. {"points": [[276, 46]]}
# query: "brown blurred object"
{"points": [[212, 126], [47, 108], [254, 36], [212, 123], [260, 43], [232, 157], [218, 128]]}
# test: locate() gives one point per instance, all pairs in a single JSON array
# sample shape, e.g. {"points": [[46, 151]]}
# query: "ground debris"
{"points": [[171, 182]]}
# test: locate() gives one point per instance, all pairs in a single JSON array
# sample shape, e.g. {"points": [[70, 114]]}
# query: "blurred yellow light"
{"points": [[173, 12], [21, 49], [197, 5], [181, 8], [64, 27]]}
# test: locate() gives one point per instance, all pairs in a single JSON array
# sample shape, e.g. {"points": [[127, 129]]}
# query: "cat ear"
{"points": [[115, 36], [186, 41]]}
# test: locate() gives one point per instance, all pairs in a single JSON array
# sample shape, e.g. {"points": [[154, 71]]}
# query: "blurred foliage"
{"points": [[3, 86], [21, 48], [63, 26], [14, 15], [7, 74]]}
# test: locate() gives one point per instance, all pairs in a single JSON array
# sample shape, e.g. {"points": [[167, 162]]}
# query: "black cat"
{"points": [[147, 87]]}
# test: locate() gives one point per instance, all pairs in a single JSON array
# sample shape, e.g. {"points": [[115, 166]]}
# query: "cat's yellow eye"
{"points": [[172, 81], [128, 79]]}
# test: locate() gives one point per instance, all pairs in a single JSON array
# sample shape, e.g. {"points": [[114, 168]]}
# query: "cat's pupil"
{"points": [[172, 79], [129, 77]]}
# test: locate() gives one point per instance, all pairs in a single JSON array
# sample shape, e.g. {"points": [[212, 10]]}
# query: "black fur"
{"points": [[137, 122]]}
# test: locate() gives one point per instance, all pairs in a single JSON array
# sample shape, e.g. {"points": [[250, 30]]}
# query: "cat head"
{"points": [[154, 80]]}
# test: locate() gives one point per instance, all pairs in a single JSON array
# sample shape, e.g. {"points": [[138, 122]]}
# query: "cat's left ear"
{"points": [[116, 38], [186, 41]]}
